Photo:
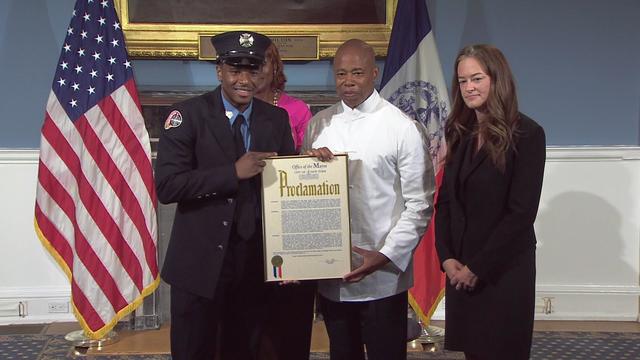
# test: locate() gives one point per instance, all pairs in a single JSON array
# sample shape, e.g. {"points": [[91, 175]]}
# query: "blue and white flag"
{"points": [[412, 78], [413, 81]]}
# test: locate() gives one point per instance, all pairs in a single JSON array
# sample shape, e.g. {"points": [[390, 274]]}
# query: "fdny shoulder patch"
{"points": [[173, 120]]}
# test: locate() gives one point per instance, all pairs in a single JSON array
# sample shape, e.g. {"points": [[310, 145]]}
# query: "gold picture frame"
{"points": [[181, 40]]}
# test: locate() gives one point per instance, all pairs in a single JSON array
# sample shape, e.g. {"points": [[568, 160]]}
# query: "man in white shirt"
{"points": [[391, 186]]}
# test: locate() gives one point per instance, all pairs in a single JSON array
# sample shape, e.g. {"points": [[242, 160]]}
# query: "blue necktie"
{"points": [[237, 136], [245, 215]]}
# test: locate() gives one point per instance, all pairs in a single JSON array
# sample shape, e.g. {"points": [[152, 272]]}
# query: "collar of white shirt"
{"points": [[367, 106]]}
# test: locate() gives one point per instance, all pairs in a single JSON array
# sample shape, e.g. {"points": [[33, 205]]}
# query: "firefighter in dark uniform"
{"points": [[210, 156]]}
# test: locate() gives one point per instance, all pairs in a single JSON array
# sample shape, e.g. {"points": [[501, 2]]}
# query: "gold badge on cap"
{"points": [[246, 40]]}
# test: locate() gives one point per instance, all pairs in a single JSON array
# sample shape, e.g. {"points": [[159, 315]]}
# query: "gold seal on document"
{"points": [[277, 261]]}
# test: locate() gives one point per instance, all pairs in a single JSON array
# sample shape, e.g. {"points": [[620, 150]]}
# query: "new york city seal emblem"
{"points": [[422, 102]]}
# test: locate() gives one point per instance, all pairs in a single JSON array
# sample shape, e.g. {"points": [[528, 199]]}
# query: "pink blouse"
{"points": [[299, 116]]}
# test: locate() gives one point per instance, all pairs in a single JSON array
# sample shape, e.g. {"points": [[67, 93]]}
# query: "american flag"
{"points": [[95, 200]]}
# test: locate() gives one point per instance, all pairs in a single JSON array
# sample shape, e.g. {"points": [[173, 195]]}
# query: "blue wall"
{"points": [[577, 63]]}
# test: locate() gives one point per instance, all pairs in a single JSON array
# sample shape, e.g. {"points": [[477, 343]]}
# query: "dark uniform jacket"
{"points": [[484, 219], [195, 168]]}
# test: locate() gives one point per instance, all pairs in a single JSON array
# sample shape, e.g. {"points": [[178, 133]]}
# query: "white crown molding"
{"points": [[592, 153], [19, 156]]}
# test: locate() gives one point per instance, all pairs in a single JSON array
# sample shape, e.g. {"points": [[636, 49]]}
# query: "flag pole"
{"points": [[431, 334], [428, 334]]}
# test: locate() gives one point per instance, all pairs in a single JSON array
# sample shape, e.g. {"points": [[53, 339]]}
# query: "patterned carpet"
{"points": [[53, 347], [546, 346], [585, 346]]}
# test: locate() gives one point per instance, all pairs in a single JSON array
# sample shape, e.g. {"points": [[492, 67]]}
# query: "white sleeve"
{"points": [[417, 183]]}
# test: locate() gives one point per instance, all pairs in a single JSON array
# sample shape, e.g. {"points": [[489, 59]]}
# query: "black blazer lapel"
{"points": [[453, 181], [458, 162], [219, 125], [467, 169]]}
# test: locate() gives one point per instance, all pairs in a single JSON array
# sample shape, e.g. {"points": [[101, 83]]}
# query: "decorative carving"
{"points": [[160, 39]]}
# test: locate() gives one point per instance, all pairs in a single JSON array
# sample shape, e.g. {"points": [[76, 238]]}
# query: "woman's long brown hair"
{"points": [[279, 79], [499, 127]]}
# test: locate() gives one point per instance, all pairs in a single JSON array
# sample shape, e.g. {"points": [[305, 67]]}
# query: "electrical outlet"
{"points": [[58, 307], [544, 305]]}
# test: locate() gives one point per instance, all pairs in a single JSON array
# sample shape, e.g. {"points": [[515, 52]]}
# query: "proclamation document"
{"points": [[305, 209]]}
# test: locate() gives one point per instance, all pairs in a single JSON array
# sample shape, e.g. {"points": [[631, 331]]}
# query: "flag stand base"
{"points": [[431, 339], [431, 335], [79, 340]]}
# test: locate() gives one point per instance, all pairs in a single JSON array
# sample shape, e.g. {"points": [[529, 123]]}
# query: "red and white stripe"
{"points": [[96, 205]]}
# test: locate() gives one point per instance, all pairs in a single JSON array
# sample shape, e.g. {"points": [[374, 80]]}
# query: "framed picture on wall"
{"points": [[173, 28]]}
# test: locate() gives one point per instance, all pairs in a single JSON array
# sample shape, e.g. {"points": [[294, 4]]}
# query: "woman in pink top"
{"points": [[271, 90]]}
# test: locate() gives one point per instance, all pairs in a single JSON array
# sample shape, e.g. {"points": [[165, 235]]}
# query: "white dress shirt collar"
{"points": [[367, 106]]}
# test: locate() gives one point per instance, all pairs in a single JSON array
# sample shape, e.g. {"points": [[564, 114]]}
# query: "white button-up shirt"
{"points": [[391, 186]]}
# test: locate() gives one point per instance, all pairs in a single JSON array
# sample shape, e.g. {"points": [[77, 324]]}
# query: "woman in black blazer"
{"points": [[486, 208]]}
